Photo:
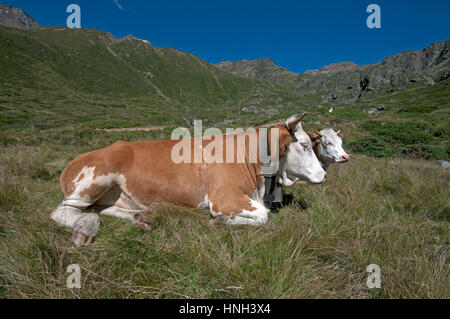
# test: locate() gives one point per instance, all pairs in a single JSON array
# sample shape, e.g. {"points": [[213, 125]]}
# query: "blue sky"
{"points": [[298, 35]]}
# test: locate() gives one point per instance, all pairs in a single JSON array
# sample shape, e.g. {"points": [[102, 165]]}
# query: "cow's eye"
{"points": [[330, 144], [305, 145]]}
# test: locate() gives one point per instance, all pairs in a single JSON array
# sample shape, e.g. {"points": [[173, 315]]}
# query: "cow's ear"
{"points": [[341, 135], [291, 124], [285, 140], [313, 136]]}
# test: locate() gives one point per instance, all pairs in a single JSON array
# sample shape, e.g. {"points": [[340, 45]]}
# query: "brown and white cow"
{"points": [[126, 178]]}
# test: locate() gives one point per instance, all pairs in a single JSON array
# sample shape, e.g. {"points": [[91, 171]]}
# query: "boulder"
{"points": [[442, 163]]}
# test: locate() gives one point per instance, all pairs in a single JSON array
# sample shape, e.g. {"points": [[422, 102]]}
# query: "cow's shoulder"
{"points": [[118, 144]]}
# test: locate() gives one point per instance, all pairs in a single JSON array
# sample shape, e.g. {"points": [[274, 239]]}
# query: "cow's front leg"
{"points": [[84, 225], [137, 217]]}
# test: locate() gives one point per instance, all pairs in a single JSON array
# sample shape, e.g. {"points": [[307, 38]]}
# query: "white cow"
{"points": [[327, 145]]}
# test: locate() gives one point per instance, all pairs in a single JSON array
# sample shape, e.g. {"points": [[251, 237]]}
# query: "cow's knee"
{"points": [[258, 216], [66, 215]]}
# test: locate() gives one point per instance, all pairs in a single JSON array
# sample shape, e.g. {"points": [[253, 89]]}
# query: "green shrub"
{"points": [[372, 146], [410, 139], [405, 133], [422, 108]]}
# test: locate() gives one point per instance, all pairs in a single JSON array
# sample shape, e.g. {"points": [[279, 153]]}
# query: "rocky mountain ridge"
{"points": [[346, 82], [336, 67], [16, 18]]}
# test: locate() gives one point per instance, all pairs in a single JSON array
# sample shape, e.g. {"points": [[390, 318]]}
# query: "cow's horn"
{"points": [[317, 132], [338, 132], [292, 124]]}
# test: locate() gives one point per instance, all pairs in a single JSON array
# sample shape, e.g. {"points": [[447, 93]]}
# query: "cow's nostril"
{"points": [[345, 157], [325, 178]]}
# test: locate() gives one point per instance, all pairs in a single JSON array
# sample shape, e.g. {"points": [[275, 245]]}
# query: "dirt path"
{"points": [[158, 128], [153, 128]]}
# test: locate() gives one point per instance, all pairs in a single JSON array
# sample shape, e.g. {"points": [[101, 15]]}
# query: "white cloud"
{"points": [[118, 4]]}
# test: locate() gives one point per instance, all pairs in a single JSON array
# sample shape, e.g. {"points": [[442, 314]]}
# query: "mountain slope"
{"points": [[346, 82], [264, 69], [58, 63], [92, 61]]}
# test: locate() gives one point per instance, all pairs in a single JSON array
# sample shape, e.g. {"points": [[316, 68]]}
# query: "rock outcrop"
{"points": [[16, 18]]}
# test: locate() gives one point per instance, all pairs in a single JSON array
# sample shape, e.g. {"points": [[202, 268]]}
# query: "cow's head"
{"points": [[330, 150], [300, 161]]}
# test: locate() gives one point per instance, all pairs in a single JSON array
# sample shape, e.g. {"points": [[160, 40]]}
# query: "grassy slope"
{"points": [[59, 75], [390, 212]]}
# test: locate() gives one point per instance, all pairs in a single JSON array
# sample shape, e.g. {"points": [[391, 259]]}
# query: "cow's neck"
{"points": [[317, 147]]}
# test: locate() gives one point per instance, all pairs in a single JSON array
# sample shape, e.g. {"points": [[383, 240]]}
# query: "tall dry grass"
{"points": [[390, 212]]}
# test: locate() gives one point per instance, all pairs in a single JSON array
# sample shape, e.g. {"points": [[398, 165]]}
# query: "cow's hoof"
{"points": [[85, 229], [143, 222]]}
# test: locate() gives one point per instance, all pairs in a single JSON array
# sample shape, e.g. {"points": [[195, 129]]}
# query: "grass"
{"points": [[391, 212]]}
